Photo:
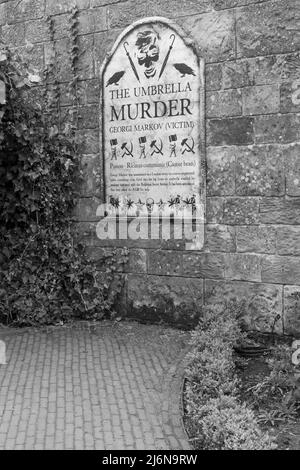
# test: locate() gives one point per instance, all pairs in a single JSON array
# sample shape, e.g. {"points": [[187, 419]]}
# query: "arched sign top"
{"points": [[144, 22], [152, 117]]}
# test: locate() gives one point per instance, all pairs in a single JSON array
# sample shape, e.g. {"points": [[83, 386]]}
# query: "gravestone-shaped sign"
{"points": [[152, 118]]}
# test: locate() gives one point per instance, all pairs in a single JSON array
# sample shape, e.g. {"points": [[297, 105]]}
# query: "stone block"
{"points": [[290, 96], [22, 10], [99, 255], [61, 26], [220, 171], [123, 14], [234, 131], [88, 141], [219, 237], [279, 128], [243, 267], [256, 239], [85, 65], [214, 210], [278, 210], [88, 117], [90, 165], [288, 240], [101, 3], [86, 209], [92, 21], [120, 243], [87, 93], [13, 35], [165, 262], [223, 103], [280, 269], [263, 302], [172, 244], [90, 91], [56, 7], [241, 210], [213, 76], [260, 170], [214, 34], [262, 99], [224, 4], [268, 28], [85, 231], [292, 159], [177, 8], [237, 73], [3, 14], [175, 300], [211, 265], [276, 68], [292, 310], [137, 261], [103, 43], [36, 31], [33, 54], [137, 258], [63, 71]]}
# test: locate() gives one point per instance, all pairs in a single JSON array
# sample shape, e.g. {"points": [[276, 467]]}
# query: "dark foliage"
{"points": [[45, 276]]}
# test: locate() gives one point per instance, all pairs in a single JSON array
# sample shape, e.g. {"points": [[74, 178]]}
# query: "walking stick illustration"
{"points": [[130, 60], [167, 56]]}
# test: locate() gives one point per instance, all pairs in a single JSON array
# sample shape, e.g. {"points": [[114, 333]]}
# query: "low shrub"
{"points": [[214, 413], [276, 397], [227, 424]]}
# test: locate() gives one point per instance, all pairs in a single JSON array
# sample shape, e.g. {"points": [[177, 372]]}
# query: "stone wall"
{"points": [[252, 54]]}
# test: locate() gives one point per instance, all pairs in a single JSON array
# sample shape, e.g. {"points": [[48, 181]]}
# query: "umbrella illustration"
{"points": [[130, 60], [167, 56]]}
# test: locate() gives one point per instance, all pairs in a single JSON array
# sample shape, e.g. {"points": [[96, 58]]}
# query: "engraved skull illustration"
{"points": [[148, 51]]}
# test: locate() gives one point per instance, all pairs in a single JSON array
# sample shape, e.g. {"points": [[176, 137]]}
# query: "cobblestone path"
{"points": [[92, 386]]}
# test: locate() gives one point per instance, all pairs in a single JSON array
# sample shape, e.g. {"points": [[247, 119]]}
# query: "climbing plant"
{"points": [[45, 274]]}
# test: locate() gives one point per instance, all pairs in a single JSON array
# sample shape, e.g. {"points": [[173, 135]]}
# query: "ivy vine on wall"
{"points": [[45, 276]]}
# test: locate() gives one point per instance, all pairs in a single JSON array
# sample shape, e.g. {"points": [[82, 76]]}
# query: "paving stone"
{"points": [[105, 411]]}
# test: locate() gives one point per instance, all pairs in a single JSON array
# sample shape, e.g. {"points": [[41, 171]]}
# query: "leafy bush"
{"points": [[45, 275], [214, 414], [277, 395], [228, 425], [211, 366]]}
